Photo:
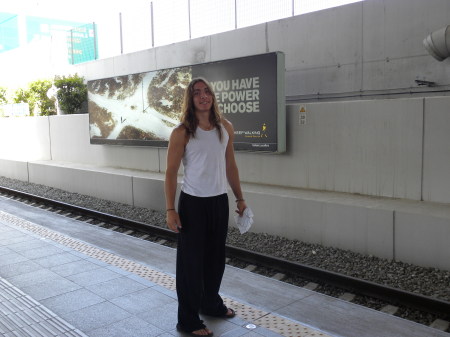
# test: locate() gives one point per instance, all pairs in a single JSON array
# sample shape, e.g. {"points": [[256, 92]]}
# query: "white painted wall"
{"points": [[25, 138]]}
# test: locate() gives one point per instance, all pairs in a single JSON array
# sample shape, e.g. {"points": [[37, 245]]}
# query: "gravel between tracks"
{"points": [[426, 281]]}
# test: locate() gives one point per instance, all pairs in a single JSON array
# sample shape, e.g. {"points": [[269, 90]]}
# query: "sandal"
{"points": [[229, 315], [191, 333]]}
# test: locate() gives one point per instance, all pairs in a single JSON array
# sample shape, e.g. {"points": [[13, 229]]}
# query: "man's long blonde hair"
{"points": [[188, 118]]}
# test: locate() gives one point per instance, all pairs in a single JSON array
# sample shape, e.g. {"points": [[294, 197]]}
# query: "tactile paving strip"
{"points": [[278, 324], [21, 316]]}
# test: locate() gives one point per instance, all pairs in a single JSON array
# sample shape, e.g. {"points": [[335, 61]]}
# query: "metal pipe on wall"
{"points": [[438, 43]]}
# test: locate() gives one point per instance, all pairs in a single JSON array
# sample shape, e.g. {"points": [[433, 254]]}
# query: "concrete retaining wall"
{"points": [[359, 175]]}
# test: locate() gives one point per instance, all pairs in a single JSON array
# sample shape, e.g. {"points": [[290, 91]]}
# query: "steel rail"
{"points": [[361, 287], [100, 216]]}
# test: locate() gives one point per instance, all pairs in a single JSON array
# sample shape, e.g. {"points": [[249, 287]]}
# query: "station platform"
{"points": [[63, 277]]}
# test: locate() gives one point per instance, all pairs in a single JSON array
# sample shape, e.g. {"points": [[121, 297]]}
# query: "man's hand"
{"points": [[173, 220]]}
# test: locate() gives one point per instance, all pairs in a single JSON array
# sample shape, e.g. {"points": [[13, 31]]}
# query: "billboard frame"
{"points": [[259, 81]]}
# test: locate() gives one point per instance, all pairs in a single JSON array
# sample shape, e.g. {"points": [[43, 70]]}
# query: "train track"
{"points": [[394, 296]]}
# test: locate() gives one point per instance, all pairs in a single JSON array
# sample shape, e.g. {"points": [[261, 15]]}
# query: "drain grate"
{"points": [[278, 324]]}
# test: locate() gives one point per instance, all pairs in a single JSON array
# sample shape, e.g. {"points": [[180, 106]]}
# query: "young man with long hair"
{"points": [[204, 143]]}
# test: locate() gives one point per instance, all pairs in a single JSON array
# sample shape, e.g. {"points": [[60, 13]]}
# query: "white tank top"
{"points": [[204, 164]]}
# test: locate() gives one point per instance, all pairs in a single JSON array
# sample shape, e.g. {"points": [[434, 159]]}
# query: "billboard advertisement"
{"points": [[142, 109]]}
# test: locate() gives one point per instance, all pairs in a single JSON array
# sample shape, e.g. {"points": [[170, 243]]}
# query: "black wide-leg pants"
{"points": [[200, 258]]}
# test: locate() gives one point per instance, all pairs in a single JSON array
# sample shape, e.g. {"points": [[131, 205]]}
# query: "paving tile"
{"points": [[35, 253], [141, 280], [259, 292], [31, 243], [97, 262], [119, 270], [19, 239], [5, 250], [72, 301], [79, 254], [218, 325], [62, 247], [95, 316], [132, 327], [10, 233], [141, 301], [164, 317], [94, 276], [99, 298], [265, 332], [8, 259], [50, 288], [21, 265], [252, 333], [337, 315], [33, 277], [22, 316], [56, 260], [236, 332], [166, 291], [116, 287], [75, 267]]}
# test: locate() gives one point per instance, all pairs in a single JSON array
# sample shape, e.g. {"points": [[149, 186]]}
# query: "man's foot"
{"points": [[230, 313], [202, 332]]}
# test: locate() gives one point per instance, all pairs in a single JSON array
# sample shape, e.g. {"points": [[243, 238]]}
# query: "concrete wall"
{"points": [[436, 163], [70, 143], [365, 147], [371, 148], [354, 175], [367, 47]]}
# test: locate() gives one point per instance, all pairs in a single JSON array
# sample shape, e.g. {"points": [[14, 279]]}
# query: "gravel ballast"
{"points": [[426, 281]]}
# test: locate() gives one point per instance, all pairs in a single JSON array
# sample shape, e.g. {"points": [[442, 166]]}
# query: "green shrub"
{"points": [[36, 96], [3, 95], [72, 93], [21, 96]]}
